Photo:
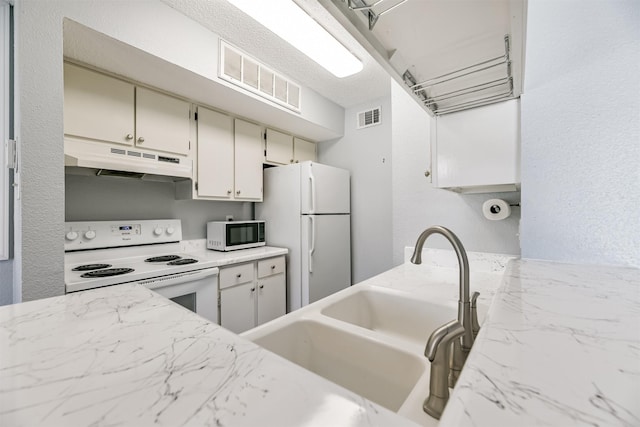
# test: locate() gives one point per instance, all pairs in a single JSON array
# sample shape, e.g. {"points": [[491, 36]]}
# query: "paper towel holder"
{"points": [[495, 209]]}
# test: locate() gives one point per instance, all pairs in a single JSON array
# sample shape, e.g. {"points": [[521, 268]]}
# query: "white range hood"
{"points": [[104, 159]]}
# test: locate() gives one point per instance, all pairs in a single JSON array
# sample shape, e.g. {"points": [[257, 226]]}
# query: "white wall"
{"points": [[581, 132], [367, 154], [417, 205], [113, 198]]}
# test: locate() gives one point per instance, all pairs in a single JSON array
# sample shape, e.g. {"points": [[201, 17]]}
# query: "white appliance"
{"points": [[105, 253], [307, 210], [233, 235], [100, 158]]}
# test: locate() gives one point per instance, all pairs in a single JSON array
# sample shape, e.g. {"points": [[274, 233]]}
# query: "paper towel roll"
{"points": [[496, 209]]}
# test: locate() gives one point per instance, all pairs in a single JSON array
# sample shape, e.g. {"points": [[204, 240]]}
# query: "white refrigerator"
{"points": [[306, 208]]}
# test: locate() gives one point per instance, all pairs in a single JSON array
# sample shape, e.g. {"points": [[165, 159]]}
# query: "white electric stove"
{"points": [[106, 253]]}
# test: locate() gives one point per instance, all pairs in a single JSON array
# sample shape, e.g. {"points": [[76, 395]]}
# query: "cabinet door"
{"points": [[98, 107], [478, 147], [272, 298], [279, 147], [303, 150], [162, 122], [237, 307], [248, 161], [215, 154]]}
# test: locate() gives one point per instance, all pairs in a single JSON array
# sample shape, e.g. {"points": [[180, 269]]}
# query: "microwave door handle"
{"points": [[312, 182], [312, 222]]}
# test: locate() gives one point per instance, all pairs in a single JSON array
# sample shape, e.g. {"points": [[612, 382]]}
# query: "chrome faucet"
{"points": [[461, 347], [438, 352]]}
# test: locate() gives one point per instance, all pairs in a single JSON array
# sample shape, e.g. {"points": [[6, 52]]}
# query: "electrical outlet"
{"points": [[229, 217]]}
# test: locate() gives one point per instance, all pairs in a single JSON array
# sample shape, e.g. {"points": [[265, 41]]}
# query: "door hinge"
{"points": [[196, 186], [264, 135], [12, 153], [196, 116], [265, 153]]}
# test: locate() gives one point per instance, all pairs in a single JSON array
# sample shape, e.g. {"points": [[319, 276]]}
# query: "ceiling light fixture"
{"points": [[288, 21]]}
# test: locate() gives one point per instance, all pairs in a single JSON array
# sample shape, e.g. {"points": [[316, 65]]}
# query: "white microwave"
{"points": [[233, 235]]}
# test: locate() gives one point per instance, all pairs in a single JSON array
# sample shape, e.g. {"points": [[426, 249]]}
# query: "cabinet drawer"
{"points": [[270, 266], [231, 276]]}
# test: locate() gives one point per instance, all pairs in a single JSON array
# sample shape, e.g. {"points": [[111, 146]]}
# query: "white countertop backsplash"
{"points": [[560, 345]]}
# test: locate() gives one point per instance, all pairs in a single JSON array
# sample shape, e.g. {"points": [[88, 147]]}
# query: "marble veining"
{"points": [[123, 355], [560, 345]]}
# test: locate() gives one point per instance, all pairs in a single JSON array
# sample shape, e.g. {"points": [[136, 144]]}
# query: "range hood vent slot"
{"points": [[82, 157], [369, 118]]}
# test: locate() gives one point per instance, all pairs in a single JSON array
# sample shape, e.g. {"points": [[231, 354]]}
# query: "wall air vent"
{"points": [[240, 69], [369, 118]]}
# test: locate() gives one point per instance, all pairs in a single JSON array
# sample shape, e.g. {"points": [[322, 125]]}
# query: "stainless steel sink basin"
{"points": [[391, 314], [368, 367]]}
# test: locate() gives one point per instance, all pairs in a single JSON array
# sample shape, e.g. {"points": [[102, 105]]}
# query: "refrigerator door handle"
{"points": [[312, 222], [312, 182]]}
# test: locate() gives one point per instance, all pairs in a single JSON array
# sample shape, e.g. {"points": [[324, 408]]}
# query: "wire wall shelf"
{"points": [[475, 85]]}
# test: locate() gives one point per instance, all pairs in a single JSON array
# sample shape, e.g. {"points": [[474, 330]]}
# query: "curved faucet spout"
{"points": [[463, 262], [460, 349]]}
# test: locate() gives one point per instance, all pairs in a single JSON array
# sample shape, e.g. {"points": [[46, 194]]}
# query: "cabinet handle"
{"points": [[141, 140], [253, 289], [261, 286], [291, 161], [229, 191], [273, 266], [239, 275], [238, 192], [129, 137]]}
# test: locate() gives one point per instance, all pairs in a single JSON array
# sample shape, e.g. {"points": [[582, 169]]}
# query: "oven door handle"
{"points": [[178, 278]]}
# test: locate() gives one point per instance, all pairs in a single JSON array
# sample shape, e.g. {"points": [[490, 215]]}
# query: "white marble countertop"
{"points": [[198, 248], [125, 356], [560, 346]]}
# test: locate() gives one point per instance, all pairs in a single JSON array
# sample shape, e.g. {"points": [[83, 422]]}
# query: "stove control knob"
{"points": [[89, 235], [157, 231], [72, 235], [170, 231]]}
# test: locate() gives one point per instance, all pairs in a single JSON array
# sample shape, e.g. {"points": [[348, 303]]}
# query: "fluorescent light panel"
{"points": [[288, 21]]}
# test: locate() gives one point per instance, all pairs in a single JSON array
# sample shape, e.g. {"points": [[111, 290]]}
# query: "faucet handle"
{"points": [[442, 335], [475, 325]]}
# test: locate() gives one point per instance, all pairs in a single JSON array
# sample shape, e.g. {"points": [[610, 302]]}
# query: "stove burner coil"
{"points": [[89, 267], [183, 261], [162, 258], [107, 273]]}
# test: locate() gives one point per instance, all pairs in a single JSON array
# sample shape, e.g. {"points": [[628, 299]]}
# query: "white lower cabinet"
{"points": [[252, 293]]}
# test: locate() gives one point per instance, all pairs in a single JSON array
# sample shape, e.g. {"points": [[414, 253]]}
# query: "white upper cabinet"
{"points": [[98, 107], [215, 154], [284, 149], [229, 160], [162, 122], [303, 150], [279, 147], [478, 150], [249, 156], [101, 108]]}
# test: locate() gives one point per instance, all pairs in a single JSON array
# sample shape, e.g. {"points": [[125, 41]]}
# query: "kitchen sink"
{"points": [[391, 314], [368, 367]]}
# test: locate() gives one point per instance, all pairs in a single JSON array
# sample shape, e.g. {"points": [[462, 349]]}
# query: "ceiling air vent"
{"points": [[240, 69], [369, 118]]}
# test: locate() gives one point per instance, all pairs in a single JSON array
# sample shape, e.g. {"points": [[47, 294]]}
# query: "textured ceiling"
{"points": [[234, 26]]}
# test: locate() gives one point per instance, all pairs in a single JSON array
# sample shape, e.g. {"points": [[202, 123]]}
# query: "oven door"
{"points": [[194, 290]]}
